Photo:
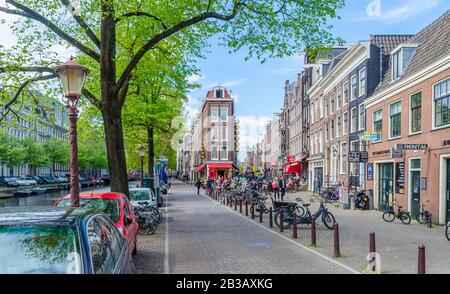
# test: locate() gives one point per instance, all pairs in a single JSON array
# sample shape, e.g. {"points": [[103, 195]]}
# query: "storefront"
{"points": [[315, 181], [219, 170]]}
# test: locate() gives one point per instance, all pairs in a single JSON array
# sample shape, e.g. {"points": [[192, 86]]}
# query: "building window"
{"points": [[442, 103], [395, 120], [326, 132], [378, 123], [396, 65], [343, 158], [214, 113], [346, 93], [339, 126], [214, 134], [353, 119], [332, 103], [332, 130], [354, 88], [416, 112], [362, 117], [214, 152], [327, 109], [219, 93], [224, 134], [321, 106], [223, 113], [344, 131], [224, 152], [362, 82], [320, 141], [339, 98]]}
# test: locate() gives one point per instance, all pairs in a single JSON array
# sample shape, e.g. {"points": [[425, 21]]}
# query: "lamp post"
{"points": [[141, 150], [72, 77]]}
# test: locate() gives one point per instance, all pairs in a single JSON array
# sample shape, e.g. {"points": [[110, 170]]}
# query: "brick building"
{"points": [[409, 114]]}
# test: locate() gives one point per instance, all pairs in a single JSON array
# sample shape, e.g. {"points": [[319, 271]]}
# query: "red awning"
{"points": [[220, 165], [200, 167], [294, 168]]}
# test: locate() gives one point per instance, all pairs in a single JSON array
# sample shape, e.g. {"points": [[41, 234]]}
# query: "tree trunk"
{"points": [[151, 152], [112, 117]]}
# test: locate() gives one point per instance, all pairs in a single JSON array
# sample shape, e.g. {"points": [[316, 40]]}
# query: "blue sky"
{"points": [[259, 87]]}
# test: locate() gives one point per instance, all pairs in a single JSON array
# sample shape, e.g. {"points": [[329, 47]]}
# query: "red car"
{"points": [[116, 206]]}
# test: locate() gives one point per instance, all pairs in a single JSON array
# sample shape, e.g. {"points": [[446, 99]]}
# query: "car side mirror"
{"points": [[128, 220]]}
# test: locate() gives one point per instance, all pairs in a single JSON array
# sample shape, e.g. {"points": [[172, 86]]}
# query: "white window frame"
{"points": [[373, 123], [344, 102], [321, 107], [217, 151], [327, 129], [344, 128], [341, 171], [399, 64], [226, 151], [351, 87], [433, 106], [215, 131], [361, 123], [339, 94], [320, 141], [351, 119], [338, 133], [389, 122], [410, 132], [360, 93], [226, 133], [332, 129], [214, 118], [220, 114]]}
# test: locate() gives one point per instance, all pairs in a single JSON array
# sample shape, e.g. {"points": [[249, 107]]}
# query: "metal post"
{"points": [[253, 211], [281, 221], [235, 205], [74, 168], [337, 251], [313, 232], [270, 218], [240, 206], [421, 261], [246, 208], [142, 171], [260, 214], [294, 226], [372, 248]]}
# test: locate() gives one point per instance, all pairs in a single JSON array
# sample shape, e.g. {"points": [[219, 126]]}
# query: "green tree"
{"points": [[114, 37], [35, 154], [12, 152], [57, 151]]}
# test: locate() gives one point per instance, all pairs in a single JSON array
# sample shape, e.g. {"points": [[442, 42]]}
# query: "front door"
{"points": [[447, 192], [318, 179], [415, 192], [385, 186]]}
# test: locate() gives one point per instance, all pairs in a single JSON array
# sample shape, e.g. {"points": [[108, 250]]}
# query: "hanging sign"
{"points": [[400, 177]]}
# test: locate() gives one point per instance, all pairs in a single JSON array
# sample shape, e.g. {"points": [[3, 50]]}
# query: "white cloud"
{"points": [[407, 9], [195, 78], [295, 66], [235, 97], [234, 83]]}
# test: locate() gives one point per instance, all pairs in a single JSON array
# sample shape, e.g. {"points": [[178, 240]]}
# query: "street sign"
{"points": [[396, 153], [412, 146], [354, 156], [364, 156]]}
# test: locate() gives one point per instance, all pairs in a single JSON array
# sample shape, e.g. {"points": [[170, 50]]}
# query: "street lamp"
{"points": [[72, 76], [141, 150]]}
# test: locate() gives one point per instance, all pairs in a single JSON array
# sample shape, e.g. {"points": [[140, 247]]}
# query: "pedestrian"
{"points": [[198, 184], [282, 187], [275, 188]]}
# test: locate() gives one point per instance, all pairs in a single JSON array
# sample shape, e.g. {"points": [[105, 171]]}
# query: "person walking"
{"points": [[198, 184], [282, 187], [275, 188]]}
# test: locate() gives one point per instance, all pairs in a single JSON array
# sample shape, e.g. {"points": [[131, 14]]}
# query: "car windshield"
{"points": [[139, 195], [39, 250], [107, 206]]}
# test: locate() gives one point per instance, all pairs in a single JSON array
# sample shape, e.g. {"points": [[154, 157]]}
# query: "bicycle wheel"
{"points": [[430, 222], [299, 211], [405, 218], [447, 231], [287, 220], [421, 218], [388, 216], [328, 220]]}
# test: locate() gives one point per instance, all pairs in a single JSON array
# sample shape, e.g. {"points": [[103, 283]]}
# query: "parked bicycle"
{"points": [[447, 231], [147, 218], [424, 217], [288, 210], [390, 215], [330, 194]]}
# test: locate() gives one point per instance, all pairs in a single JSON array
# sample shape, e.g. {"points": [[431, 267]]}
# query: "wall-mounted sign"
{"points": [[423, 183], [370, 171], [396, 153], [354, 156], [412, 146], [400, 177], [364, 156]]}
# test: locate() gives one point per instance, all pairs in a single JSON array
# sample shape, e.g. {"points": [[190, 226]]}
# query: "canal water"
{"points": [[46, 199]]}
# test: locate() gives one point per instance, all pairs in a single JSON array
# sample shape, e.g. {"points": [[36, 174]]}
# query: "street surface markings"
{"points": [[258, 245], [352, 270], [166, 243]]}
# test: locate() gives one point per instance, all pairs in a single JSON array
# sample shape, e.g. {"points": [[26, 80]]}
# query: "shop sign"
{"points": [[354, 156], [370, 171], [396, 153], [364, 156], [412, 146], [400, 177]]}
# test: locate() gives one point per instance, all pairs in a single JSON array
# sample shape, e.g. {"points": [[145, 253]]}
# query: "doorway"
{"points": [[447, 191], [385, 186], [318, 179], [414, 171]]}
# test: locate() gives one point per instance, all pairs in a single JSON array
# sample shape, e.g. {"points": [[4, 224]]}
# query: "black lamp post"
{"points": [[72, 77], [141, 150]]}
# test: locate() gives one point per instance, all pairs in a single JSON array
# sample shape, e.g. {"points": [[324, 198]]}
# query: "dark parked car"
{"points": [[106, 179], [11, 182], [54, 240], [2, 182], [48, 180], [38, 180], [83, 182]]}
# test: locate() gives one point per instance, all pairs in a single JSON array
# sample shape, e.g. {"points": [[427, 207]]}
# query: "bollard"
{"points": [[294, 226], [372, 248], [313, 232], [246, 208], [260, 214], [240, 206], [281, 221], [226, 201], [337, 251], [421, 261], [270, 218], [253, 211], [235, 205]]}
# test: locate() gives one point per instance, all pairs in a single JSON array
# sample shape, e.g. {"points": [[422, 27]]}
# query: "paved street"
{"points": [[207, 238]]}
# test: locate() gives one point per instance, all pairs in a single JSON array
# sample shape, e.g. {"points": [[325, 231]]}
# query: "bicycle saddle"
{"points": [[306, 204]]}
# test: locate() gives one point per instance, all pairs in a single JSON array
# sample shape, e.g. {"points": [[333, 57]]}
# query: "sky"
{"points": [[259, 88]]}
